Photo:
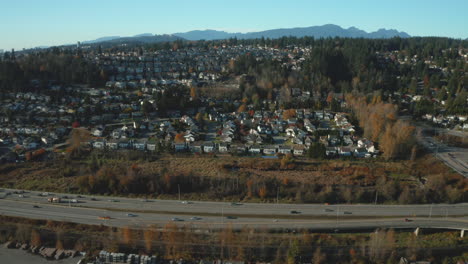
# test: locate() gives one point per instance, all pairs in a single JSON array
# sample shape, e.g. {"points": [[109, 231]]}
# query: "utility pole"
{"points": [[277, 195], [178, 187], [430, 212], [337, 213]]}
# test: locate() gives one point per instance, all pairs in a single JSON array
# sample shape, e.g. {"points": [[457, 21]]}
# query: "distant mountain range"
{"points": [[140, 38], [324, 31]]}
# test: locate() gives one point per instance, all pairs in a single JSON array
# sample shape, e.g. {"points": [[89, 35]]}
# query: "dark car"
{"points": [[294, 212], [231, 217], [35, 206]]}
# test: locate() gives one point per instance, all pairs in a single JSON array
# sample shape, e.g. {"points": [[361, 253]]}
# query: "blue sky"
{"points": [[31, 23]]}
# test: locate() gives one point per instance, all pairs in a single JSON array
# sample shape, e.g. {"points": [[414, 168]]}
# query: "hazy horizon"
{"points": [[53, 22]]}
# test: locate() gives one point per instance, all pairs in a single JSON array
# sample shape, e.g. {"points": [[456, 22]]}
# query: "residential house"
{"points": [[124, 144], [298, 150], [345, 151], [140, 144], [179, 147], [330, 151], [208, 147], [99, 144], [284, 149], [269, 150], [223, 147], [196, 147], [255, 149], [112, 144]]}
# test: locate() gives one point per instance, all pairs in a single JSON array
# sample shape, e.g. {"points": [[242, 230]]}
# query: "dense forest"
{"points": [[434, 67]]}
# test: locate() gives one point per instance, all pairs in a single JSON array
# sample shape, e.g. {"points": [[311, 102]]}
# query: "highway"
{"points": [[455, 158], [218, 214]]}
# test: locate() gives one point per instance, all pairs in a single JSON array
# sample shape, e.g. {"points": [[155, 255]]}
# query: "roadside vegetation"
{"points": [[247, 179], [171, 241]]}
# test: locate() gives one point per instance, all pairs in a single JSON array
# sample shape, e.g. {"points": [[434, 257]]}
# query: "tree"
{"points": [[316, 151], [293, 252], [148, 236], [36, 238], [179, 138], [126, 235], [290, 113], [146, 107], [242, 108], [262, 192], [318, 257], [193, 93]]}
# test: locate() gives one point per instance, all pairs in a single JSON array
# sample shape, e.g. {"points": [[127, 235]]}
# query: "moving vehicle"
{"points": [[175, 219], [104, 217], [294, 212], [35, 206], [195, 218], [54, 200], [131, 215], [231, 217]]}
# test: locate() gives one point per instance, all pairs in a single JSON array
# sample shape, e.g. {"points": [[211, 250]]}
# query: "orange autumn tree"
{"points": [[179, 138], [380, 123]]}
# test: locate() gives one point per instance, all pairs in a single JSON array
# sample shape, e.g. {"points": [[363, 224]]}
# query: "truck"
{"points": [[54, 199]]}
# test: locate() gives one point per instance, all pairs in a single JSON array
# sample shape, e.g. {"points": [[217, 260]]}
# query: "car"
{"points": [[104, 217], [408, 220], [175, 219], [112, 200], [231, 217], [328, 210], [131, 215], [45, 194], [79, 196], [145, 200], [35, 206], [347, 212], [187, 202], [195, 218], [65, 197], [21, 196], [275, 220], [93, 199], [235, 204], [74, 200], [294, 212]]}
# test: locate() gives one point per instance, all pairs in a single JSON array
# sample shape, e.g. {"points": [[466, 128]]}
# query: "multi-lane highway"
{"points": [[455, 158], [141, 213]]}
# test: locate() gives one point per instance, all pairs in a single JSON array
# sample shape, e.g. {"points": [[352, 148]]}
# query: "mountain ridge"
{"points": [[327, 30], [323, 31]]}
